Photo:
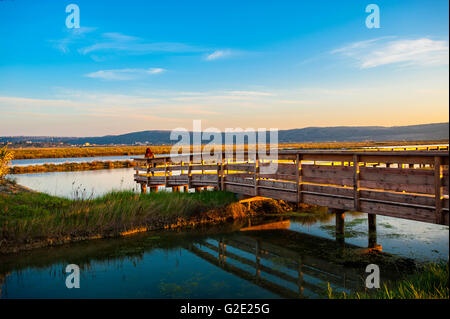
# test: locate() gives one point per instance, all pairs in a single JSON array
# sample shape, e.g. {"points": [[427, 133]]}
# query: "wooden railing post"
{"points": [[438, 189], [299, 178], [218, 173], [148, 172], [190, 173], [256, 176], [222, 171], [165, 171], [356, 182]]}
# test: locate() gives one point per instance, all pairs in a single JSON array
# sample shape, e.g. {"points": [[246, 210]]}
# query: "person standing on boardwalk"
{"points": [[149, 153]]}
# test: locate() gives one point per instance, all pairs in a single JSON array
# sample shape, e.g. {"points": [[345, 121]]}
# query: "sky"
{"points": [[151, 65]]}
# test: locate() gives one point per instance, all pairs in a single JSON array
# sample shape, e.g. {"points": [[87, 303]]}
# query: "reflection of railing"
{"points": [[303, 272], [404, 184]]}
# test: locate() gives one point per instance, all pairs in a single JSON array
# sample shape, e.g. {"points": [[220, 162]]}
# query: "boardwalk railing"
{"points": [[405, 184]]}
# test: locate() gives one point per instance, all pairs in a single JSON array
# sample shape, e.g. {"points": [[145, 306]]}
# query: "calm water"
{"points": [[297, 258], [79, 184], [289, 261]]}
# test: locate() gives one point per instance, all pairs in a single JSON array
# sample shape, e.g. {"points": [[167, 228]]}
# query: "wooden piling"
{"points": [[372, 220], [153, 189]]}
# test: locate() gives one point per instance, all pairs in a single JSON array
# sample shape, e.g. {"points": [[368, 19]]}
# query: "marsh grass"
{"points": [[28, 216], [430, 282], [69, 167], [64, 152]]}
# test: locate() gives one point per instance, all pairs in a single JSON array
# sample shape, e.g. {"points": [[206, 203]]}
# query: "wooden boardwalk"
{"points": [[405, 184]]}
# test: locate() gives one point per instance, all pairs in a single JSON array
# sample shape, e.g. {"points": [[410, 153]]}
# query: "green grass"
{"points": [[430, 282], [28, 216]]}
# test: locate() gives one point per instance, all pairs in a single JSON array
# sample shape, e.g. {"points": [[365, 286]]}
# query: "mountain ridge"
{"points": [[433, 131]]}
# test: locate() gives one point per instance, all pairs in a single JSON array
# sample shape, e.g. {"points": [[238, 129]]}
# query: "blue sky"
{"points": [[138, 65]]}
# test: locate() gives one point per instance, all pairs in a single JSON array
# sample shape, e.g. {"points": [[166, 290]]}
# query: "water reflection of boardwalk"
{"points": [[286, 272]]}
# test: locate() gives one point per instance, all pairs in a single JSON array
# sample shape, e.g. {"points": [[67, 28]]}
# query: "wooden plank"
{"points": [[140, 178], [285, 157], [278, 184], [328, 171], [423, 189], [289, 196], [279, 177], [239, 189], [237, 179], [419, 214], [241, 175], [158, 180], [330, 157], [326, 189], [329, 181], [244, 167], [397, 158], [397, 176], [339, 203], [204, 178], [286, 169], [415, 199]]}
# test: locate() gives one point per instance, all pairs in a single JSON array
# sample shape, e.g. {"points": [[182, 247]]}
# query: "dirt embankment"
{"points": [[8, 187]]}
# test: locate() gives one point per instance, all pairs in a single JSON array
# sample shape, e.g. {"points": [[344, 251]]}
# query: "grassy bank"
{"points": [[31, 219], [430, 282], [68, 167], [64, 152]]}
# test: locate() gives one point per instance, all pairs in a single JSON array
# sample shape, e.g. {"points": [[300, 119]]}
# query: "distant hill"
{"points": [[437, 131]]}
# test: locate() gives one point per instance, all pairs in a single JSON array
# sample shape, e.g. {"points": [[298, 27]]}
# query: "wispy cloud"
{"points": [[251, 93], [123, 74], [113, 42], [72, 36], [404, 52], [219, 54], [100, 46]]}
